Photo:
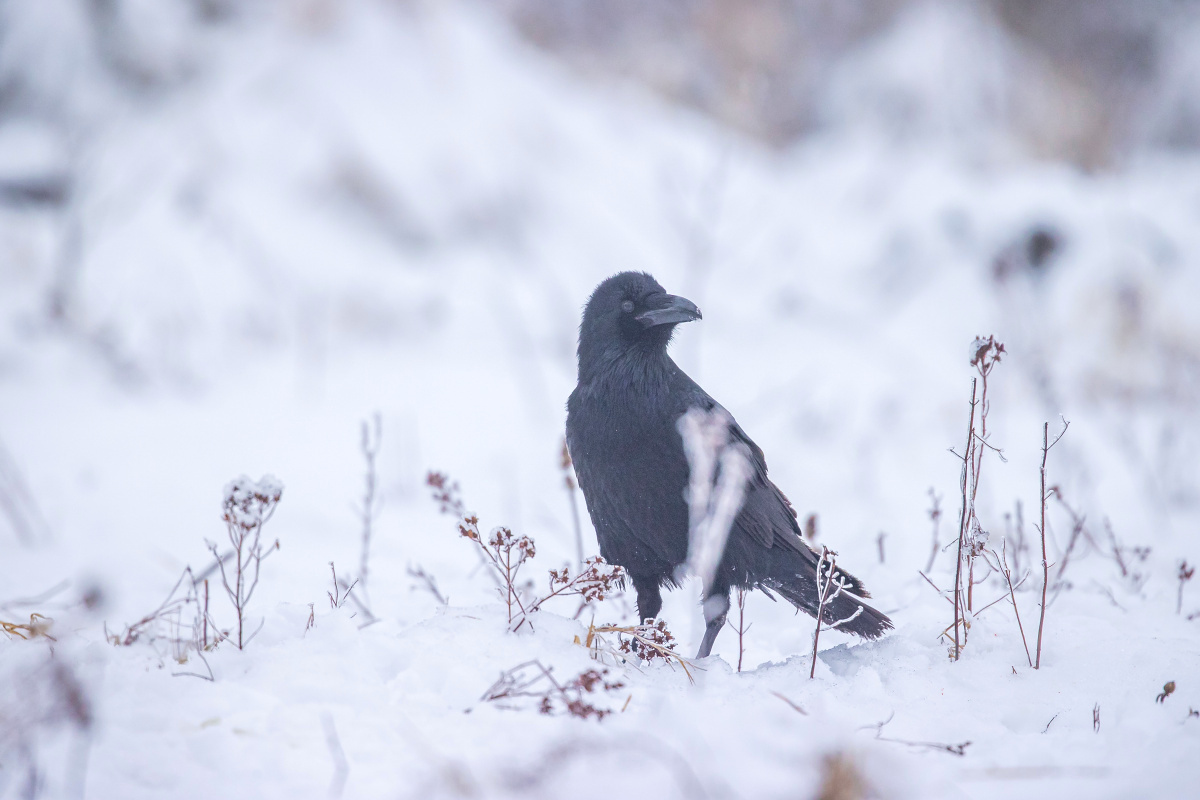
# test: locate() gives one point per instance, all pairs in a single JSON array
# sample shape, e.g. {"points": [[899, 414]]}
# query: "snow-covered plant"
{"points": [[446, 494], [830, 584], [974, 546], [533, 681], [504, 553], [179, 627], [986, 353], [248, 506], [645, 643], [596, 581]]}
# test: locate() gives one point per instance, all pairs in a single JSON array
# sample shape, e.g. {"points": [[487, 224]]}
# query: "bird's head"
{"points": [[629, 311]]}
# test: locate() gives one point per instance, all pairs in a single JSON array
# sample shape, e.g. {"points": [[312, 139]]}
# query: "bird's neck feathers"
{"points": [[646, 361]]}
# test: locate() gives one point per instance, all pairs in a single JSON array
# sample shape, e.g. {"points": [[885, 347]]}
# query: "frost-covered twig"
{"points": [[828, 578], [718, 473], [985, 355], [171, 624], [506, 554], [593, 583]]}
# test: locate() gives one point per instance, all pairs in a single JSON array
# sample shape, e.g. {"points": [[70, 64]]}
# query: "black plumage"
{"points": [[628, 454]]}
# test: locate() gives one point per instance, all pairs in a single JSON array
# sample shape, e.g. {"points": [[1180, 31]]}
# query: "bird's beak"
{"points": [[671, 310]]}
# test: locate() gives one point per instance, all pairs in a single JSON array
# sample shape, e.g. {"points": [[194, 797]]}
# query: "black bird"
{"points": [[629, 458]]}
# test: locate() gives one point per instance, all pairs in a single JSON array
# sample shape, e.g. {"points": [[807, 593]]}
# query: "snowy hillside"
{"points": [[309, 213]]}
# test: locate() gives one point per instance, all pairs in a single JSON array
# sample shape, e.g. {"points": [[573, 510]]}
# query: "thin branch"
{"points": [[1046, 446], [962, 524]]}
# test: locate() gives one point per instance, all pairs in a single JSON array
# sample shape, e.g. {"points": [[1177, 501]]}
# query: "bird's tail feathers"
{"points": [[796, 580]]}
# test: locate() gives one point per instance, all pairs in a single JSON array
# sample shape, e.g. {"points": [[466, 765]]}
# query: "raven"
{"points": [[630, 461]]}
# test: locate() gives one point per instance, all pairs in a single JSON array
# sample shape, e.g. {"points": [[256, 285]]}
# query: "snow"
{"points": [[401, 208]]}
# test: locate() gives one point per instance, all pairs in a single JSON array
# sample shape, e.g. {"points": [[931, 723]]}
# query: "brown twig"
{"points": [[935, 515], [795, 707], [827, 578], [962, 523], [1185, 575], [341, 589], [953, 749], [741, 627], [430, 584], [935, 586], [1046, 445], [534, 680], [648, 641], [569, 482], [1002, 568]]}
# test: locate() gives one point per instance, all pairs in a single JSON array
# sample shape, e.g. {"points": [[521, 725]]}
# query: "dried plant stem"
{"points": [[742, 627], [935, 515], [1012, 595], [204, 641], [650, 640], [1185, 575], [1042, 531], [962, 523], [248, 507], [826, 574], [1046, 445], [569, 483]]}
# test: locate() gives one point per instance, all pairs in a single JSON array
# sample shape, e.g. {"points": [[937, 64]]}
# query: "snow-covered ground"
{"points": [[330, 211]]}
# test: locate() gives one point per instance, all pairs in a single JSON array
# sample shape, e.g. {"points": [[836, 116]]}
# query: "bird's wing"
{"points": [[767, 516]]}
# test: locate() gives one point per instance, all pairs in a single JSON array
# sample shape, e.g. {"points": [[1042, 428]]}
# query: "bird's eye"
{"points": [[627, 306]]}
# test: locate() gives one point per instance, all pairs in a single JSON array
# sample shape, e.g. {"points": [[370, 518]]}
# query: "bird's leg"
{"points": [[716, 607], [649, 598]]}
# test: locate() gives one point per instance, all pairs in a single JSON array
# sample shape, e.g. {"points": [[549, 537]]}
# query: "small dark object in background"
{"points": [[1031, 253], [810, 527], [50, 191], [1168, 690], [629, 458]]}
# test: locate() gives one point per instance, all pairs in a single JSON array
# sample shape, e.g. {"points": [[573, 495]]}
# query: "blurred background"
{"points": [[230, 230], [256, 223]]}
